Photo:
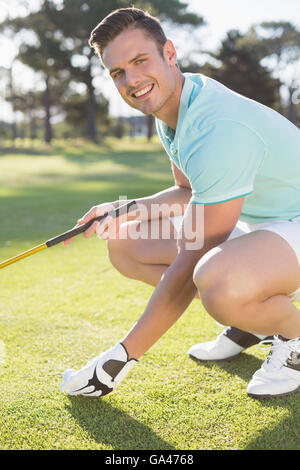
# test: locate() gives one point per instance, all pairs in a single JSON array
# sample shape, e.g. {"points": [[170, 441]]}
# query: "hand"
{"points": [[101, 375], [107, 228]]}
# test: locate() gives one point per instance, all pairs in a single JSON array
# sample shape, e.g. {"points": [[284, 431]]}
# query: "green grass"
{"points": [[60, 307]]}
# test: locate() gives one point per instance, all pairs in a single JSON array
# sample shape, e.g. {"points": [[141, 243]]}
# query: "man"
{"points": [[236, 165]]}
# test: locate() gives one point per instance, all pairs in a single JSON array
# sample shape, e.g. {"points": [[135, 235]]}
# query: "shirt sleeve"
{"points": [[221, 162]]}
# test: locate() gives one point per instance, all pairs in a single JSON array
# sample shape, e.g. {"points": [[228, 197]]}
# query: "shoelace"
{"points": [[280, 351]]}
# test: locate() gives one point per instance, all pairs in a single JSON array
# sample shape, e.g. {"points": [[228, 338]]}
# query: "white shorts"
{"points": [[287, 229]]}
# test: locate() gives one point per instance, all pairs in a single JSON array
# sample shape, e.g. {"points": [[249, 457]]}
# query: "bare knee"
{"points": [[217, 293], [220, 305], [207, 271]]}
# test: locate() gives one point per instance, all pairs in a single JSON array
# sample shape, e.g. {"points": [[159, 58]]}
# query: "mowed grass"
{"points": [[61, 307]]}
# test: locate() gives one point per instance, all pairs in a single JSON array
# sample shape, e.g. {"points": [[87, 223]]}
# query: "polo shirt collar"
{"points": [[185, 98], [185, 101], [171, 138]]}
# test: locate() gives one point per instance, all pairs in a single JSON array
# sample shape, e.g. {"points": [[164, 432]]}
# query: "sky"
{"points": [[220, 16], [223, 15]]}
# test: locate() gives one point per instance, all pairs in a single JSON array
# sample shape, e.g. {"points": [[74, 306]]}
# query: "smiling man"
{"points": [[145, 80], [235, 231]]}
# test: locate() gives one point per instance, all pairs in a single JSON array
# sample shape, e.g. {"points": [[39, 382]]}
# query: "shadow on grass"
{"points": [[25, 151], [113, 427], [41, 148], [285, 434], [141, 155], [244, 366]]}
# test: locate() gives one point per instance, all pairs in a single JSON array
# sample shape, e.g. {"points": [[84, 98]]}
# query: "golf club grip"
{"points": [[124, 209]]}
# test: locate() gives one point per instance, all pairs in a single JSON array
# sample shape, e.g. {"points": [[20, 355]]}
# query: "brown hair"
{"points": [[120, 20]]}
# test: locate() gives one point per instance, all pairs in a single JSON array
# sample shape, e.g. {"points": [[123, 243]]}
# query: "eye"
{"points": [[117, 74], [140, 61]]}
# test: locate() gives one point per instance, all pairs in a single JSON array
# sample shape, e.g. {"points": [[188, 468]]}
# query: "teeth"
{"points": [[143, 92]]}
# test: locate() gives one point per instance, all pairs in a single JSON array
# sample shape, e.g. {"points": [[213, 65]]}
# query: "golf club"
{"points": [[123, 209]]}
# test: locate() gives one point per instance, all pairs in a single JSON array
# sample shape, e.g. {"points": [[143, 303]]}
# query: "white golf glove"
{"points": [[101, 375]]}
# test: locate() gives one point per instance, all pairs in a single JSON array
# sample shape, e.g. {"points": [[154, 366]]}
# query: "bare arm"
{"points": [[176, 289]]}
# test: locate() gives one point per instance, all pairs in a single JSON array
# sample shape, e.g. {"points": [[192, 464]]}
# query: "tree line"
{"points": [[53, 42]]}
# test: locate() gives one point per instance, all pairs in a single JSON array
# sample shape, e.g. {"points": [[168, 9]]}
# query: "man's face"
{"points": [[144, 78]]}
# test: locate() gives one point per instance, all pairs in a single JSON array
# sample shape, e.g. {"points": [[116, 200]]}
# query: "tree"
{"points": [[61, 51], [241, 70], [10, 97], [238, 67], [75, 19], [279, 41], [75, 112], [43, 54]]}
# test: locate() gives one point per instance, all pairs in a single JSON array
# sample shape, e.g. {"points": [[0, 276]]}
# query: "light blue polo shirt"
{"points": [[230, 146]]}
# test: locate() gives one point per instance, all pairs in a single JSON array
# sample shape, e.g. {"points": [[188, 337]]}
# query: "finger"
{"points": [[91, 230], [86, 218], [83, 391], [87, 234], [67, 375], [93, 394], [100, 210], [75, 383], [91, 214], [67, 242], [104, 235], [113, 229], [103, 228], [96, 211]]}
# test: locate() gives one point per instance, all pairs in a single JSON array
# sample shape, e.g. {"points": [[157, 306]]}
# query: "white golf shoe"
{"points": [[279, 375], [226, 347]]}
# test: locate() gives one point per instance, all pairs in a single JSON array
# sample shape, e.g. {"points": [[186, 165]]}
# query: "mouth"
{"points": [[143, 93]]}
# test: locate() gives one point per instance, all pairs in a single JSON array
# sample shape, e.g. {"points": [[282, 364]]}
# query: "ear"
{"points": [[170, 54]]}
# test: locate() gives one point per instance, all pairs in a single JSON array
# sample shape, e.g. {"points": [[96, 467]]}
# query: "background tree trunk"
{"points": [[47, 103], [91, 114], [150, 126]]}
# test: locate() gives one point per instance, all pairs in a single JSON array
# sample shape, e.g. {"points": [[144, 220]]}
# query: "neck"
{"points": [[169, 113]]}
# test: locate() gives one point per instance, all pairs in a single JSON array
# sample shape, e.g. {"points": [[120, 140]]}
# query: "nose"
{"points": [[132, 79]]}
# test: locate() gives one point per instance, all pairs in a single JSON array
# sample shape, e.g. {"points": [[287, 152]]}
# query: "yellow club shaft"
{"points": [[23, 255], [70, 233]]}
